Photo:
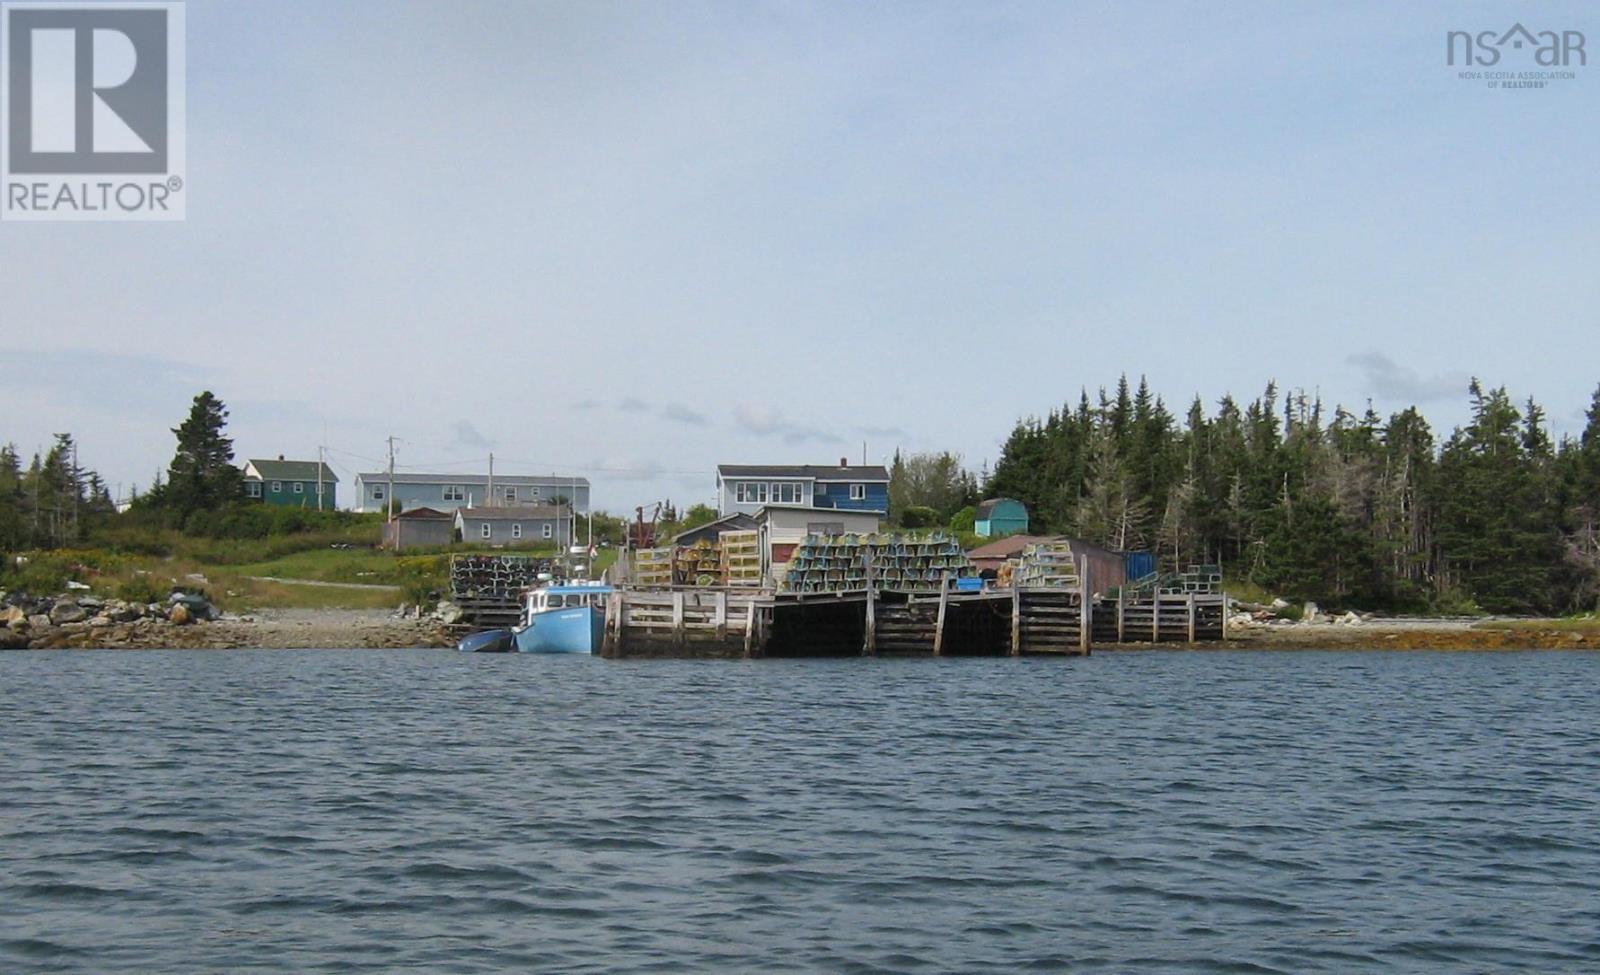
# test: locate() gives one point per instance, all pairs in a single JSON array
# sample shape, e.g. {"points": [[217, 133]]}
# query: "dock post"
{"points": [[1086, 612], [938, 626], [1155, 614], [677, 619], [749, 626], [1122, 598], [1225, 616], [1191, 617], [1016, 620], [720, 614], [608, 636], [869, 645]]}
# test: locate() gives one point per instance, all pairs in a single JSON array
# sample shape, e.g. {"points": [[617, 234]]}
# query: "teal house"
{"points": [[293, 483], [1001, 516]]}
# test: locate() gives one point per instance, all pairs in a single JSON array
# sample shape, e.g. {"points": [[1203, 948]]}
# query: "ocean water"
{"points": [[393, 811]]}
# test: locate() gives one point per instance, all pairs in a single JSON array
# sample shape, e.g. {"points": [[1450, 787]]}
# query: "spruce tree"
{"points": [[201, 476]]}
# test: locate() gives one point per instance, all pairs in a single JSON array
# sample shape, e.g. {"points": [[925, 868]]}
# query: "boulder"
{"points": [[449, 613], [67, 611], [100, 622], [39, 622], [180, 614], [13, 639], [90, 602], [12, 615]]}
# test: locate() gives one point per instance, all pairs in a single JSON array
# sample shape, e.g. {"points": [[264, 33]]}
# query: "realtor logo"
{"points": [[93, 102]]}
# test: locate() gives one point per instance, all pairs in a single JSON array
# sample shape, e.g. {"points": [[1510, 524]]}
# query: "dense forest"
{"points": [[47, 504], [1326, 505]]}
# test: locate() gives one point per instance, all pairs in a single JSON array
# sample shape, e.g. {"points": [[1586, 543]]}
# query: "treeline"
{"points": [[50, 503], [1326, 505]]}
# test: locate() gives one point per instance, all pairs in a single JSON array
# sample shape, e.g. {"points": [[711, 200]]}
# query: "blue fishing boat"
{"points": [[568, 618]]}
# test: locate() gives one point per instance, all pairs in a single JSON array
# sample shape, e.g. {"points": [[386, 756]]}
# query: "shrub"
{"points": [[965, 520], [141, 589], [918, 516]]}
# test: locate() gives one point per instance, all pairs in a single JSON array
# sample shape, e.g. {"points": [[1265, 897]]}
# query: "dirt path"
{"points": [[368, 586]]}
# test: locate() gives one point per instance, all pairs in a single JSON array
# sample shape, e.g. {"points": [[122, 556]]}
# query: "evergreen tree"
{"points": [[201, 476]]}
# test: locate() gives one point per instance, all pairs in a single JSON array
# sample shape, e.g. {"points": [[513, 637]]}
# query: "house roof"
{"points": [[1008, 547], [500, 480], [515, 512], [815, 510], [734, 522], [425, 514], [290, 470], [986, 508], [812, 472]]}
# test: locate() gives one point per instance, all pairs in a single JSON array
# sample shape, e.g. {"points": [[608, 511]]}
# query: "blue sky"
{"points": [[636, 240]]}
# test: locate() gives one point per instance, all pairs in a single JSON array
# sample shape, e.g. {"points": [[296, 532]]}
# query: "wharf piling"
{"points": [[868, 622]]}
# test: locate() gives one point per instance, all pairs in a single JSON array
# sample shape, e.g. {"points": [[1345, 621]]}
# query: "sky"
{"points": [[635, 240]]}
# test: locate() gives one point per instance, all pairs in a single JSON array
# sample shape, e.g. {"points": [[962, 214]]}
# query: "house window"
{"points": [[252, 489], [277, 487], [516, 529], [533, 494], [377, 492], [858, 492], [455, 492], [511, 494], [486, 531], [751, 492], [820, 489], [299, 488], [786, 492], [549, 530], [319, 488]]}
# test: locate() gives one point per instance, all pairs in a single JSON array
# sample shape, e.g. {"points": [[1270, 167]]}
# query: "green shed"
{"points": [[1001, 516]]}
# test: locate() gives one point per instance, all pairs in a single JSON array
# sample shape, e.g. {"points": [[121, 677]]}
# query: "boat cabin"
{"points": [[567, 597]]}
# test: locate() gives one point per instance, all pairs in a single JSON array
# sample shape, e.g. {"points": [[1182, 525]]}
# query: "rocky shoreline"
{"points": [[88, 622]]}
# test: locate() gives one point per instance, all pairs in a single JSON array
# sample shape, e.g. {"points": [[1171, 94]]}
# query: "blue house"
{"points": [[1001, 516], [747, 488]]}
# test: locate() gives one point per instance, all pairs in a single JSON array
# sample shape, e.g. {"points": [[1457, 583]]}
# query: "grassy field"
{"points": [[242, 577]]}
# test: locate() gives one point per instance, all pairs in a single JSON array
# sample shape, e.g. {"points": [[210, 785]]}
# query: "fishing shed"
{"points": [[1001, 516]]}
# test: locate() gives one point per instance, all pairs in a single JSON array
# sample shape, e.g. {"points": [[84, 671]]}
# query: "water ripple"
{"points": [[1156, 812]]}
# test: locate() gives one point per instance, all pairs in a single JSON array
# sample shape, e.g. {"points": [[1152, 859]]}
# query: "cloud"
{"points": [[884, 433], [1388, 380], [764, 421], [629, 404], [678, 413], [628, 469], [467, 435], [585, 405]]}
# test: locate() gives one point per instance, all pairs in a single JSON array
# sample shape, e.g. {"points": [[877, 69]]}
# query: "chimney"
{"points": [[843, 461]]}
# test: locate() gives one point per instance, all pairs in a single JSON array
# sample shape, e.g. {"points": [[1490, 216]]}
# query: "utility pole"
{"points": [[388, 501], [491, 481], [319, 477]]}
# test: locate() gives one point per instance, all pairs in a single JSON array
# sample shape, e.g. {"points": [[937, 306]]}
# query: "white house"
{"points": [[447, 492]]}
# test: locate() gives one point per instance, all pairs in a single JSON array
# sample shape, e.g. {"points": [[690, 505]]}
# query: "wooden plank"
{"points": [[869, 643], [1122, 598], [944, 603], [1016, 621], [677, 618], [1085, 604], [1191, 617], [719, 613]]}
